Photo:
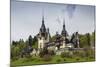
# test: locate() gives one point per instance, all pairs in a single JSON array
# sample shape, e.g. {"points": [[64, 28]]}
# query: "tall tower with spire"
{"points": [[64, 32], [43, 36], [43, 28], [64, 35]]}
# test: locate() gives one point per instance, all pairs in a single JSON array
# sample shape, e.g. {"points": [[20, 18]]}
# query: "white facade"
{"points": [[41, 42]]}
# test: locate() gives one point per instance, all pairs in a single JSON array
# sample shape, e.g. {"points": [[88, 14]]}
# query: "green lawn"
{"points": [[55, 59]]}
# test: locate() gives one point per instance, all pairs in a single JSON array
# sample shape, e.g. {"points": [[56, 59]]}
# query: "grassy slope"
{"points": [[55, 60]]}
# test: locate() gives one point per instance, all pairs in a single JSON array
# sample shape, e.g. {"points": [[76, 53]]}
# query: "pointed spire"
{"points": [[64, 32], [48, 33], [43, 28], [56, 33], [64, 21], [48, 30], [42, 16], [63, 24]]}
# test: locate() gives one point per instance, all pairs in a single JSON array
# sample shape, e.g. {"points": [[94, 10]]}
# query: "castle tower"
{"points": [[43, 35], [48, 35], [58, 41], [64, 32], [77, 39], [64, 35]]}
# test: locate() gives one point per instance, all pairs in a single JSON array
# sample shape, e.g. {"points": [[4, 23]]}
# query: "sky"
{"points": [[26, 18]]}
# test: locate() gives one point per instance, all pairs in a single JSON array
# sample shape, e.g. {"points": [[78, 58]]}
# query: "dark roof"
{"points": [[43, 28], [58, 36], [27, 49], [64, 32]]}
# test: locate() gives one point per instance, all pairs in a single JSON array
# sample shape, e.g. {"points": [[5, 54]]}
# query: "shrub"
{"points": [[64, 59], [76, 53], [77, 59], [47, 57], [79, 54], [69, 55], [87, 53], [43, 52], [91, 57], [66, 54], [25, 60], [51, 52], [28, 56], [15, 58], [58, 60], [63, 54]]}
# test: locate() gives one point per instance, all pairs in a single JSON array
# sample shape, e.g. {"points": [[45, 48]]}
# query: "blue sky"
{"points": [[26, 18]]}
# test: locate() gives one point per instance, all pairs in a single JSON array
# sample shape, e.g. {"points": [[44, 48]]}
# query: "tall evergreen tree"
{"points": [[30, 40], [88, 39]]}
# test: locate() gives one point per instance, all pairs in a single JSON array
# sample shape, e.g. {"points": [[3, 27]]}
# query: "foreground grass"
{"points": [[55, 60]]}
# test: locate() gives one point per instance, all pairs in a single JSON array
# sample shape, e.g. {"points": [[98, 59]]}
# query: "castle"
{"points": [[61, 40]]}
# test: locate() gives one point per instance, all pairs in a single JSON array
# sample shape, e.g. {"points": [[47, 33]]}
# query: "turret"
{"points": [[43, 28], [64, 32]]}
